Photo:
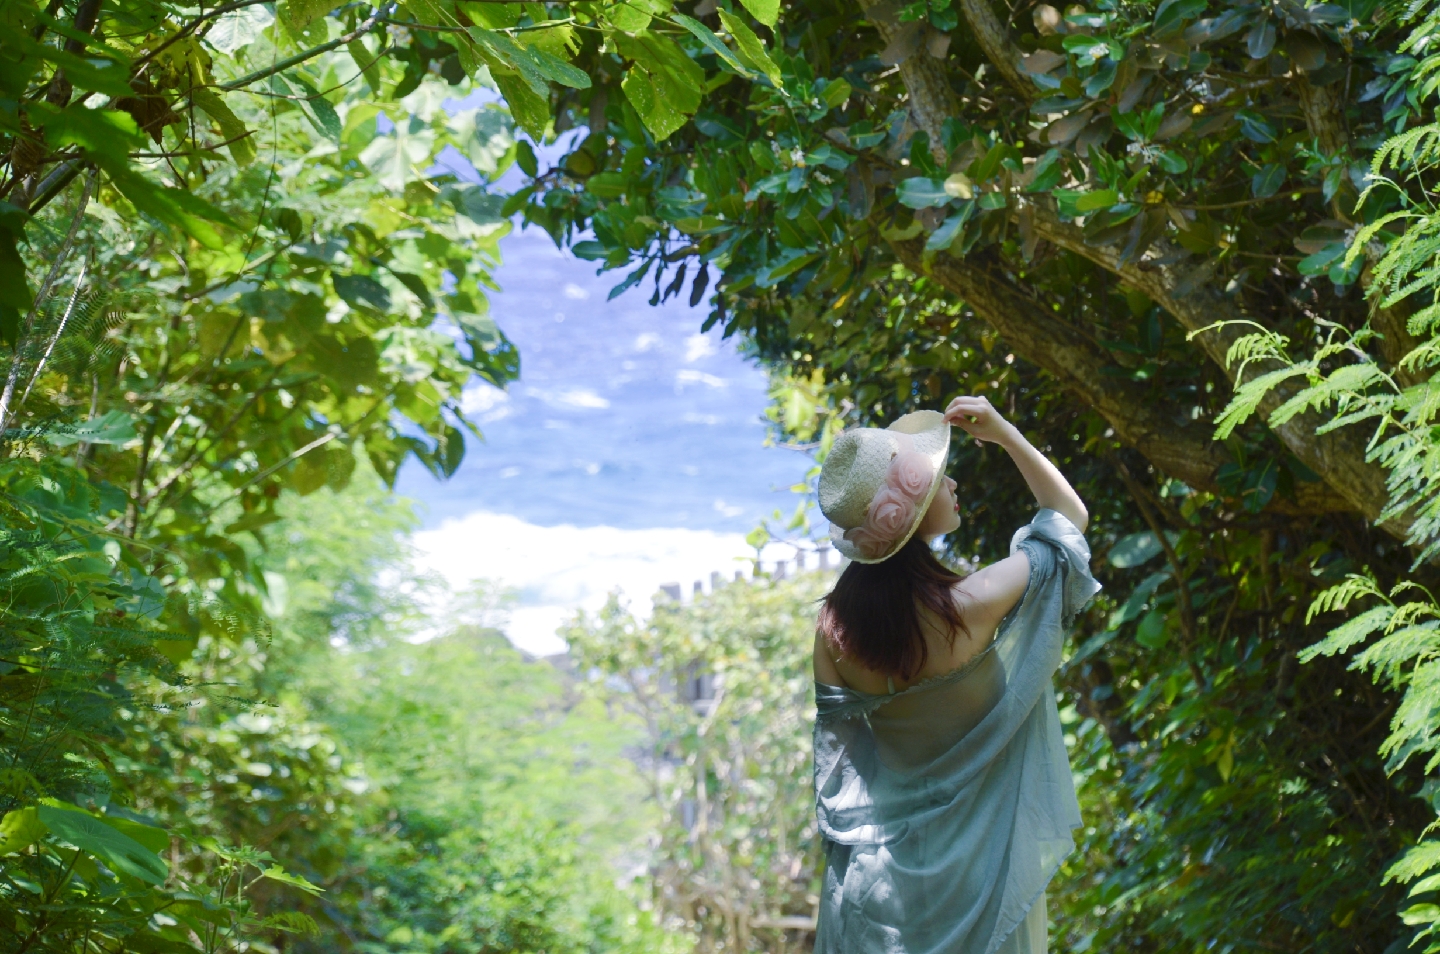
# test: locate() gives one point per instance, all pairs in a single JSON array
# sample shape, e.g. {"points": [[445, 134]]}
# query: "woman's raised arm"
{"points": [[978, 418]]}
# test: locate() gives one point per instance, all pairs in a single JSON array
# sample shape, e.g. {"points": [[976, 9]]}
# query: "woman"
{"points": [[942, 787]]}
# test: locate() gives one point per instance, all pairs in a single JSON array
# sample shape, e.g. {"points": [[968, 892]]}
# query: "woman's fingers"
{"points": [[978, 408]]}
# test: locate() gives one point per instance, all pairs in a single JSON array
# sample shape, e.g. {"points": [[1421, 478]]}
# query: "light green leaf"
{"points": [[530, 111], [275, 873], [664, 85], [238, 29], [1100, 199], [394, 158], [751, 48], [766, 11], [633, 16], [104, 133], [153, 838], [316, 108], [1151, 631], [713, 43], [20, 829], [242, 145], [1136, 549], [303, 12]]}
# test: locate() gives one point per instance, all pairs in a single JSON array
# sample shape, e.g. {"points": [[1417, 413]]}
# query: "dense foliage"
{"points": [[243, 259], [231, 272], [1086, 212]]}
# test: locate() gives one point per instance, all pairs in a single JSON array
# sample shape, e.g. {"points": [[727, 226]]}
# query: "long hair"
{"points": [[872, 616]]}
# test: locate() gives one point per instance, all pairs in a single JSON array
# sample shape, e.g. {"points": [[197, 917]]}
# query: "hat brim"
{"points": [[930, 433]]}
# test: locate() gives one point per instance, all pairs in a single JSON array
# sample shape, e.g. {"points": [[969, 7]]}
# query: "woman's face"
{"points": [[944, 514]]}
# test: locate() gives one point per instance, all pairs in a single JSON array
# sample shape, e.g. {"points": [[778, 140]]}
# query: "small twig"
{"points": [[21, 337], [190, 152], [231, 279], [376, 19], [289, 459], [59, 330]]}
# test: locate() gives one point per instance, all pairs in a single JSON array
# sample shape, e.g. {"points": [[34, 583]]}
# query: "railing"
{"points": [[824, 559]]}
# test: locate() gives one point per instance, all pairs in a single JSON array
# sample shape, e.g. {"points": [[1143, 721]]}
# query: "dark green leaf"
{"points": [[119, 851]]}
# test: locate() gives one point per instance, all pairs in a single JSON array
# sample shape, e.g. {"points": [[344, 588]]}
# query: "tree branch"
{"points": [[1176, 445], [1189, 295]]}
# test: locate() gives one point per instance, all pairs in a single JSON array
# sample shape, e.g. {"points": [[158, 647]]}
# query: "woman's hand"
{"points": [[978, 418]]}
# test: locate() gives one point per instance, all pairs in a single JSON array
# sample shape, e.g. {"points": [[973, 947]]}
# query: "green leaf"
{"points": [[112, 428], [1255, 127], [530, 111], [919, 192], [633, 16], [714, 44], [766, 11], [361, 291], [15, 293], [119, 851], [525, 159], [102, 69], [1268, 181], [1138, 598], [752, 49], [20, 829], [192, 214], [945, 235], [103, 133], [1134, 550], [316, 107], [1321, 260], [664, 85], [275, 873], [154, 838], [1100, 199], [534, 65], [366, 62], [303, 12], [1151, 632], [242, 145], [1171, 13], [1173, 162]]}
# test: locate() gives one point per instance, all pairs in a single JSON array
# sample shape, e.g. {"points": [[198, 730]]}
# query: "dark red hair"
{"points": [[872, 616]]}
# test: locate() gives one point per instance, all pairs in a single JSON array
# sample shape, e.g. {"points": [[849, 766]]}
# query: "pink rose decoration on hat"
{"points": [[890, 513], [910, 474], [893, 510], [870, 546]]}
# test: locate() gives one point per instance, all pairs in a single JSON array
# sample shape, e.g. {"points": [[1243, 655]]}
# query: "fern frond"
{"points": [[1350, 634], [1419, 860], [1248, 397], [1342, 594]]}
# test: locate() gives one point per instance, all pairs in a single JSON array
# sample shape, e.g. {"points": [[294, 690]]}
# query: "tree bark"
{"points": [[1176, 445], [1323, 113]]}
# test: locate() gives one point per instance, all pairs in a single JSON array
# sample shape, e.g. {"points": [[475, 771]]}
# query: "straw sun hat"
{"points": [[876, 484]]}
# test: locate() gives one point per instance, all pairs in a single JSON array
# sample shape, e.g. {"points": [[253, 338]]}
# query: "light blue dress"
{"points": [[946, 808]]}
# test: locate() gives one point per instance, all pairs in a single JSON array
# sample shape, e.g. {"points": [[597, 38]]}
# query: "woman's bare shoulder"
{"points": [[985, 596], [826, 671]]}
